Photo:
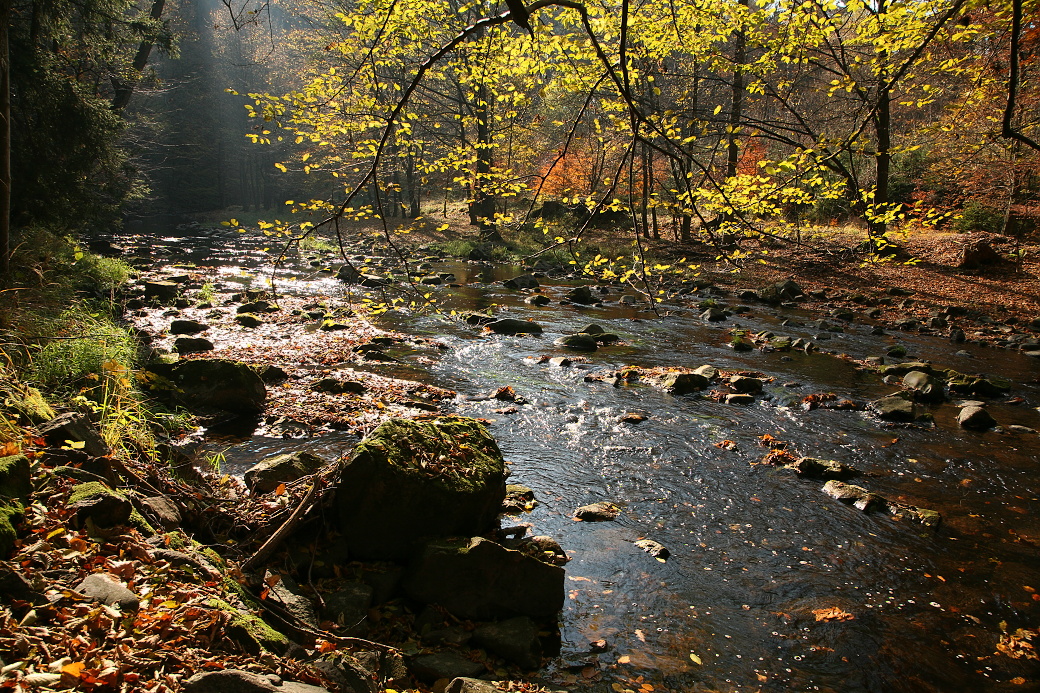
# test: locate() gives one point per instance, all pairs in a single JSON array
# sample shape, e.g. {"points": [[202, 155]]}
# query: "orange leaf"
{"points": [[280, 491], [832, 614], [73, 669]]}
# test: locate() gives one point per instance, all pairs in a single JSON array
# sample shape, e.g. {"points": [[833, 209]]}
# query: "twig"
{"points": [[278, 537]]}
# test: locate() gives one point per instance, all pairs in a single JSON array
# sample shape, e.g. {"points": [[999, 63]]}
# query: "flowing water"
{"points": [[755, 550]]}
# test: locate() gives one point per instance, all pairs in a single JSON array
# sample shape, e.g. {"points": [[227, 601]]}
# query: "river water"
{"points": [[757, 554]]}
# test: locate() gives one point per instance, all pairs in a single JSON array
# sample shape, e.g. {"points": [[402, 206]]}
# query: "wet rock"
{"points": [[481, 580], [479, 319], [925, 386], [248, 320], [855, 495], [512, 326], [814, 468], [707, 371], [714, 315], [545, 549], [519, 498], [745, 385], [330, 325], [411, 480], [975, 418], [71, 429], [898, 351], [653, 548], [335, 386], [632, 418], [110, 590], [578, 342], [681, 383], [780, 292], [216, 383], [192, 345], [894, 408], [597, 512], [605, 338], [538, 300], [372, 281], [524, 281], [444, 665], [582, 295], [163, 292], [257, 307], [515, 640], [592, 329], [560, 362], [271, 472], [187, 327], [928, 518], [272, 374], [741, 343], [741, 399]]}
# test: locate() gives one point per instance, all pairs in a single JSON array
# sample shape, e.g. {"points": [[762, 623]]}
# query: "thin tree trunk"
{"points": [[124, 90], [5, 143]]}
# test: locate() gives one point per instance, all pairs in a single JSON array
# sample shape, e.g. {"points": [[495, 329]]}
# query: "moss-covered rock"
{"points": [[249, 631], [413, 480], [266, 476], [26, 402], [106, 507], [217, 383], [10, 515], [15, 477]]}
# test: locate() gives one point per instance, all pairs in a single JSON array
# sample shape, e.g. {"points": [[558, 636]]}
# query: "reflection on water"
{"points": [[755, 551]]}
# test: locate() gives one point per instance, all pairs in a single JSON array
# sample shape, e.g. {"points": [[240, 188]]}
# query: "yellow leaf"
{"points": [[695, 658], [169, 604], [718, 109]]}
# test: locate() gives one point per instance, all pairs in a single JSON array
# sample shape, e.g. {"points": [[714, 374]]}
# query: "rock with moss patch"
{"points": [[680, 383], [925, 386], [270, 472], [413, 480], [894, 408], [216, 383], [250, 632], [512, 326], [15, 477], [26, 401], [76, 431], [105, 507], [192, 345], [248, 320], [11, 512], [577, 342], [814, 468], [481, 580]]}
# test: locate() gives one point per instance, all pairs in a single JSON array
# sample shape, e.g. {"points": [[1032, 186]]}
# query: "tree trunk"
{"points": [[124, 90], [482, 205], [5, 144]]}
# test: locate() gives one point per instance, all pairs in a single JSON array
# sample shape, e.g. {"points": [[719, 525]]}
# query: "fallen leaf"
{"points": [[74, 669], [832, 614], [695, 659], [624, 659]]}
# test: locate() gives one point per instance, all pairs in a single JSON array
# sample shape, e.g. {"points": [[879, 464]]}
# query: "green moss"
{"points": [[15, 477], [250, 631], [453, 451], [10, 515], [28, 403], [94, 488]]}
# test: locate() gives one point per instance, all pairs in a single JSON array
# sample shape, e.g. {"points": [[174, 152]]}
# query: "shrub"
{"points": [[979, 217]]}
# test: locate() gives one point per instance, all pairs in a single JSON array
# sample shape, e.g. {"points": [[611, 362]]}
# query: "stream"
{"points": [[757, 553]]}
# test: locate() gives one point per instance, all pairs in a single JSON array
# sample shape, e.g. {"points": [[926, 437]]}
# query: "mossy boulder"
{"points": [[106, 507], [15, 477], [415, 480], [10, 515], [266, 476], [681, 383], [250, 632], [512, 326], [26, 402], [214, 383], [577, 342], [481, 580], [925, 386]]}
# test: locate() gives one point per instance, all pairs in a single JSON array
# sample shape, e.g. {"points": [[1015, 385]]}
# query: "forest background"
{"points": [[677, 120]]}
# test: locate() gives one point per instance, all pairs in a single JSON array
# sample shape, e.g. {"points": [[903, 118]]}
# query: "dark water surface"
{"points": [[754, 549]]}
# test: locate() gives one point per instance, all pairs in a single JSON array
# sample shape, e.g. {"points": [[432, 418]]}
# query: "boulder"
{"points": [[512, 326], [582, 295], [901, 369], [925, 386], [681, 383], [524, 281], [741, 398], [270, 472], [592, 329], [597, 512], [110, 590], [15, 477], [11, 513], [481, 580], [335, 386], [238, 681], [975, 418], [780, 292], [745, 385], [479, 319], [653, 548], [463, 684], [410, 480], [101, 505], [187, 327], [285, 591], [162, 511], [444, 665], [515, 640], [248, 320], [578, 342], [216, 383], [855, 495], [894, 408], [349, 606], [708, 371], [714, 315], [538, 300], [814, 468], [163, 292], [192, 345], [68, 430], [348, 275]]}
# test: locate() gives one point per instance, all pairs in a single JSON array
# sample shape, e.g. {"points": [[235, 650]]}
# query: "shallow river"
{"points": [[755, 551]]}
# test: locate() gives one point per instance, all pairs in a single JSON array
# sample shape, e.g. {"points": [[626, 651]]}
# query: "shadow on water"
{"points": [[771, 584]]}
